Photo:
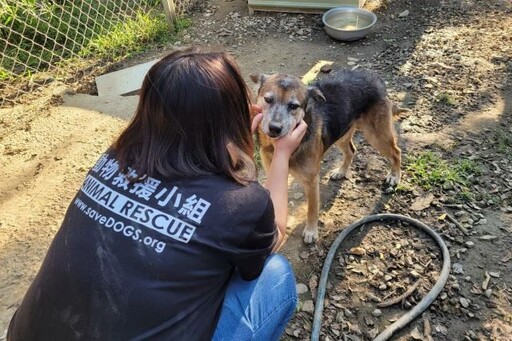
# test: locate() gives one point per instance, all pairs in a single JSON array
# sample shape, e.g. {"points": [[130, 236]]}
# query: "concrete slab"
{"points": [[117, 106], [125, 81]]}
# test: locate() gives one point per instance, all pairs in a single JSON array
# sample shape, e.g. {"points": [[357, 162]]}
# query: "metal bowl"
{"points": [[348, 23]]}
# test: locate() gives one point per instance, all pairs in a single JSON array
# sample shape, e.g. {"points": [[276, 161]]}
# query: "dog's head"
{"points": [[284, 100]]}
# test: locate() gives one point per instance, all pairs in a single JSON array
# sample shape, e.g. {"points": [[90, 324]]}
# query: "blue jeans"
{"points": [[259, 309]]}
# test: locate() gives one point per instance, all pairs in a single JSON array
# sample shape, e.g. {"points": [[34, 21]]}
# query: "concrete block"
{"points": [[123, 82]]}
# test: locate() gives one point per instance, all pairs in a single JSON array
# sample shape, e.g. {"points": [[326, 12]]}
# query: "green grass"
{"points": [[503, 142], [428, 170], [48, 33], [183, 23], [446, 99], [129, 37]]}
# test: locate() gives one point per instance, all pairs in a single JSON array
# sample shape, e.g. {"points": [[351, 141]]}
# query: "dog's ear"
{"points": [[315, 93], [258, 78]]}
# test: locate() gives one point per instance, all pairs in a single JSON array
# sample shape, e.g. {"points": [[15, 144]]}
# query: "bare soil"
{"points": [[448, 61]]}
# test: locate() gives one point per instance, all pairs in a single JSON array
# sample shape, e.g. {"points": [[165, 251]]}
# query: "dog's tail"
{"points": [[397, 110]]}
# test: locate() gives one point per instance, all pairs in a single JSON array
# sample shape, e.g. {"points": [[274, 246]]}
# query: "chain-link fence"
{"points": [[44, 40]]}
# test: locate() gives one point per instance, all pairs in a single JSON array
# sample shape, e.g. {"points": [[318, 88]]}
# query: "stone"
{"points": [[301, 288], [404, 14], [308, 306]]}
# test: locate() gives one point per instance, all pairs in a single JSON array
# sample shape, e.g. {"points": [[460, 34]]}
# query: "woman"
{"points": [[170, 236]]}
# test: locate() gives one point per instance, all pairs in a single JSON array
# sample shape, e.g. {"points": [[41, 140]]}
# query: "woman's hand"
{"points": [[287, 144], [257, 116]]}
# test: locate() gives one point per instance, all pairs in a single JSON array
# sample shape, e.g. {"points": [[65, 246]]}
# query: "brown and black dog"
{"points": [[333, 108]]}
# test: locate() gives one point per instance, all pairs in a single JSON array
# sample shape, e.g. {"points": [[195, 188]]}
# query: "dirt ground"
{"points": [[449, 61]]}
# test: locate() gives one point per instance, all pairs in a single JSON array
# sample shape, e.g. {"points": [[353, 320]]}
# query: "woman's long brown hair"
{"points": [[193, 118]]}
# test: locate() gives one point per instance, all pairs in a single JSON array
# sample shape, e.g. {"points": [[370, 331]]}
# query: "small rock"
{"points": [[482, 222], [441, 329], [377, 313], [488, 293], [298, 195], [494, 274], [464, 302], [404, 14], [469, 243], [326, 68], [308, 306], [458, 268], [301, 288], [369, 321], [372, 333]]}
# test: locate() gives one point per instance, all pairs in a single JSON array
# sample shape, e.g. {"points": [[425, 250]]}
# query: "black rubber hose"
{"points": [[411, 314]]}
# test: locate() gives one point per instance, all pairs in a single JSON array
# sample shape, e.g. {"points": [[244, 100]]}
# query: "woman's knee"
{"points": [[278, 263], [279, 274]]}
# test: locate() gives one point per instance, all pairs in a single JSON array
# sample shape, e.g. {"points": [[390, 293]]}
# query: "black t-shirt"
{"points": [[149, 260]]}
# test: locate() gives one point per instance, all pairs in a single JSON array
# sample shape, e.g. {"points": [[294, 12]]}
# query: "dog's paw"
{"points": [[392, 180], [338, 174], [310, 235]]}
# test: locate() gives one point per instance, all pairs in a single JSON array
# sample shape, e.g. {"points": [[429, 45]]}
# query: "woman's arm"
{"points": [[277, 175]]}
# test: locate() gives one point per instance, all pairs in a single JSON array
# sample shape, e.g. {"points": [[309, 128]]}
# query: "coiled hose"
{"points": [[411, 314]]}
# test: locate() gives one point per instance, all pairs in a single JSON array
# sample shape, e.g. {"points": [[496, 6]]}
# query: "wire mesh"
{"points": [[41, 40]]}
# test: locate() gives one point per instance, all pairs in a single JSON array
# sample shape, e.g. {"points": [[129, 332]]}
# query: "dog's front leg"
{"points": [[312, 188]]}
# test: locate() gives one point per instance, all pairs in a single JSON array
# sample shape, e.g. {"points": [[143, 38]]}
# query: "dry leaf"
{"points": [[422, 202], [416, 335]]}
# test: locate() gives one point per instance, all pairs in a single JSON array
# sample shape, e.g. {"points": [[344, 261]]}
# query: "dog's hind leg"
{"points": [[348, 149], [379, 131]]}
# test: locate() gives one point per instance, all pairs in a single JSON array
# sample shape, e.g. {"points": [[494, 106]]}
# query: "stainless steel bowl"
{"points": [[348, 23]]}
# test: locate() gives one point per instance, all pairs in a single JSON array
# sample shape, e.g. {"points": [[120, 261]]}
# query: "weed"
{"points": [[503, 142], [446, 99], [183, 23], [428, 170]]}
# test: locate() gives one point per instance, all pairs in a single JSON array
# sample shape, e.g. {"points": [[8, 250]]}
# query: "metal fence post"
{"points": [[170, 13]]}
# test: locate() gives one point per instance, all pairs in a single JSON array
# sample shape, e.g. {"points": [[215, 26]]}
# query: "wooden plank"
{"points": [[294, 6], [311, 75]]}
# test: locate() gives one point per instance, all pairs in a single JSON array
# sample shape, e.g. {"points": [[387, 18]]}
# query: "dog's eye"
{"points": [[293, 106], [269, 99]]}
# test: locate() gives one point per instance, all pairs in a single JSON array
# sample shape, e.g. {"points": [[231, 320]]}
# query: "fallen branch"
{"points": [[400, 298], [459, 226]]}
